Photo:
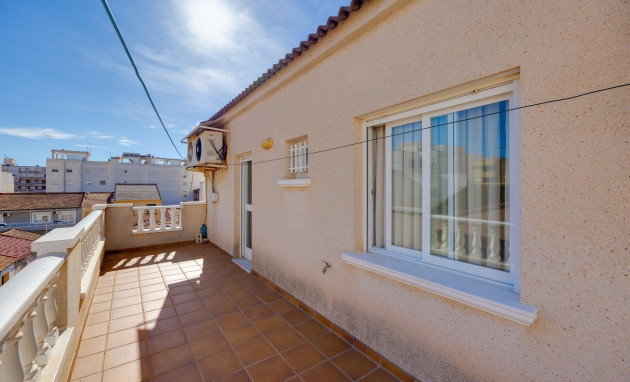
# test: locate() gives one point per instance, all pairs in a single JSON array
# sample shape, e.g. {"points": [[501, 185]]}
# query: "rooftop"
{"points": [[40, 201], [128, 192], [188, 313]]}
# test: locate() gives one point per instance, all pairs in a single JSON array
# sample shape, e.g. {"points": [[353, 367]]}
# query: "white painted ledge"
{"points": [[158, 230], [489, 298], [91, 270], [294, 182]]}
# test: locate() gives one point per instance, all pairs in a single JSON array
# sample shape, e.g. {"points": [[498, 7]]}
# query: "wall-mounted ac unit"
{"points": [[204, 148]]}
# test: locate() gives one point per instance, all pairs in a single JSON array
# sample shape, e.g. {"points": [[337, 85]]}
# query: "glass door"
{"points": [[246, 208]]}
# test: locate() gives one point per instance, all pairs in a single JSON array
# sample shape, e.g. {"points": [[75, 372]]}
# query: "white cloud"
{"points": [[152, 127], [99, 135], [36, 133], [124, 141]]}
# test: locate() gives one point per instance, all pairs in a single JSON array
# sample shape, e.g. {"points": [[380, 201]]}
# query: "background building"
{"points": [[25, 178], [73, 171]]}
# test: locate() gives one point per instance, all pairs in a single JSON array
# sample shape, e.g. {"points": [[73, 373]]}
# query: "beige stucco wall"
{"points": [[574, 183], [119, 221]]}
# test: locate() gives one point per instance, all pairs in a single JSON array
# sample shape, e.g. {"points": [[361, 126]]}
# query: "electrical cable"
{"points": [[133, 64], [314, 17], [444, 124]]}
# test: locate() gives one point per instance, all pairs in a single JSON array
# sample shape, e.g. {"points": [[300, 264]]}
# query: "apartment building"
{"points": [[25, 178], [73, 171]]}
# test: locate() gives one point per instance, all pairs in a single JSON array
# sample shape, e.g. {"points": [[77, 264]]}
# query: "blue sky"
{"points": [[65, 82]]}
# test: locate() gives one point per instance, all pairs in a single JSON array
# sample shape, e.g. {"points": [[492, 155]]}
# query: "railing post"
{"points": [[162, 218], [475, 253], [151, 219]]}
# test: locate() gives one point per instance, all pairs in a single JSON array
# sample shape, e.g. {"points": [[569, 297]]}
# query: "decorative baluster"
{"points": [[140, 220], [493, 254], [475, 254], [28, 348], [10, 360], [173, 225], [460, 251], [50, 311], [40, 328], [444, 237], [178, 214], [151, 219], [162, 218]]}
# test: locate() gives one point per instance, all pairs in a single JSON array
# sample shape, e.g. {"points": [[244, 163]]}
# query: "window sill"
{"points": [[294, 182], [490, 298]]}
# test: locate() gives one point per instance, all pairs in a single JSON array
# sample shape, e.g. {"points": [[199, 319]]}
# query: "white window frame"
{"points": [[35, 215], [297, 172], [72, 213], [509, 92]]}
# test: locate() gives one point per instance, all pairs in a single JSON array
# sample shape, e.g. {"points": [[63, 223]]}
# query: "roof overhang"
{"points": [[206, 125]]}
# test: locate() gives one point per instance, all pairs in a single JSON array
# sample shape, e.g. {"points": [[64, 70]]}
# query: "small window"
{"points": [[88, 182], [55, 170], [68, 170], [297, 158], [103, 182]]}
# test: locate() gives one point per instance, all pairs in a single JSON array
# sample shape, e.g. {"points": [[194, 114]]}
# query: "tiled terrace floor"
{"points": [[189, 314]]}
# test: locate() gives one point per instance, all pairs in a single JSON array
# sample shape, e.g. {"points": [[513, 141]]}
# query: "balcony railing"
{"points": [[42, 226], [43, 313]]}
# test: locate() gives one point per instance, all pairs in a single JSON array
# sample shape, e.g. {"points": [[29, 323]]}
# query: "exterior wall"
{"points": [[22, 220], [119, 225], [25, 178], [574, 210], [6, 182]]}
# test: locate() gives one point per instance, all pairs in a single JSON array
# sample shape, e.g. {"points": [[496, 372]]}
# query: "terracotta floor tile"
{"points": [[155, 328], [126, 286], [232, 321], [134, 300], [269, 297], [254, 351], [156, 304], [158, 295], [258, 313], [324, 372], [184, 297], [88, 365], [153, 288], [188, 307], [203, 329], [281, 306], [241, 335], [311, 329], [102, 298], [103, 290], [330, 344], [125, 337], [124, 354], [194, 317], [127, 293], [218, 365], [379, 375], [270, 324], [96, 318], [209, 346], [187, 373], [284, 339], [134, 371], [270, 370], [207, 291], [303, 357], [354, 364], [152, 281], [90, 378], [178, 290], [159, 314], [239, 376], [100, 307], [149, 275], [92, 346], [126, 322], [221, 309], [295, 316], [125, 311], [91, 331], [166, 341], [170, 360]]}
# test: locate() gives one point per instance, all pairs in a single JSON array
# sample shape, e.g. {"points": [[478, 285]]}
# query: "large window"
{"points": [[442, 185]]}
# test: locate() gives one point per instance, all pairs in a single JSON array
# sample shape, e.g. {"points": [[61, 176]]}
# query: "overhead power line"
{"points": [[444, 124], [133, 64]]}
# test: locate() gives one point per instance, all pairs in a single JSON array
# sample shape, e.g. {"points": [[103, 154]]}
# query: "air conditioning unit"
{"points": [[205, 149]]}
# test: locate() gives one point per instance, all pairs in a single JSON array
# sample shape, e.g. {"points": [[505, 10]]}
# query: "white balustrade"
{"points": [[27, 330], [93, 225], [160, 219], [468, 231]]}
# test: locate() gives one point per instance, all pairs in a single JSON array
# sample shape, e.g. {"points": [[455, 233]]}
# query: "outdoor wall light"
{"points": [[266, 144]]}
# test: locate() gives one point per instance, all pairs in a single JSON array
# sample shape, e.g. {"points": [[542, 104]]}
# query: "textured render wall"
{"points": [[574, 183], [119, 225]]}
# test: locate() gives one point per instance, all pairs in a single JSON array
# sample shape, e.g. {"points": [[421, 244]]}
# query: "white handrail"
{"points": [[160, 218]]}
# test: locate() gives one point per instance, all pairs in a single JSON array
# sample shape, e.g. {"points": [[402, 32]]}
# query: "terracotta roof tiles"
{"points": [[22, 234], [40, 201]]}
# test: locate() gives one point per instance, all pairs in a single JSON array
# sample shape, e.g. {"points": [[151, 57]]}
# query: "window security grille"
{"points": [[298, 161]]}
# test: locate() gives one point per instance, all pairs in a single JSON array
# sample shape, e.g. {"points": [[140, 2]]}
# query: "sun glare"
{"points": [[210, 22]]}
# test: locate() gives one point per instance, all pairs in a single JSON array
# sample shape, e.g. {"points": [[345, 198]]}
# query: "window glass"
{"points": [[406, 191], [470, 186]]}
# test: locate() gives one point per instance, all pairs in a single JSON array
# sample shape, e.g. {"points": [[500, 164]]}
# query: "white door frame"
{"points": [[246, 252]]}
